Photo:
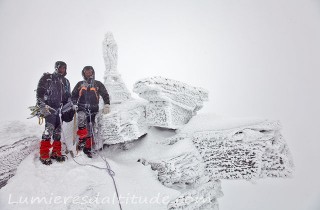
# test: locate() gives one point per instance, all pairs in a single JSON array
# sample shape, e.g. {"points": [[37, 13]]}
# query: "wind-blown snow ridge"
{"points": [[12, 155], [18, 142]]}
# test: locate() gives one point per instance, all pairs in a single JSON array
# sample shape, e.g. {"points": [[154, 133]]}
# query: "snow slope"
{"points": [[85, 183], [71, 186]]}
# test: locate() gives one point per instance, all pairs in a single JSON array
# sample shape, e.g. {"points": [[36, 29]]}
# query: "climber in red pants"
{"points": [[85, 97]]}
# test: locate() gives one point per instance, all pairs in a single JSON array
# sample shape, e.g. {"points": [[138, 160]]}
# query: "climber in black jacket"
{"points": [[53, 92]]}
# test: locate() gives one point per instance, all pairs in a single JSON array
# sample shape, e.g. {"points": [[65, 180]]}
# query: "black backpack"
{"points": [[67, 112]]}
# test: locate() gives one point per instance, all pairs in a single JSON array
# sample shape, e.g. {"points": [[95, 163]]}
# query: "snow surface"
{"points": [[177, 166], [137, 184]]}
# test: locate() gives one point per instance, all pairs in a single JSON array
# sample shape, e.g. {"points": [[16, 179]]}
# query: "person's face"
{"points": [[88, 73], [62, 70]]}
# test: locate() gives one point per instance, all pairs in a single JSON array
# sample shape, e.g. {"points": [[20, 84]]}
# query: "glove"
{"points": [[44, 110], [106, 109], [75, 107]]}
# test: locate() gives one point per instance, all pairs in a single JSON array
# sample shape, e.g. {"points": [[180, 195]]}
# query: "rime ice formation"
{"points": [[251, 151], [186, 169], [117, 90], [186, 173], [202, 197], [12, 155], [125, 123], [222, 148], [171, 103], [18, 141]]}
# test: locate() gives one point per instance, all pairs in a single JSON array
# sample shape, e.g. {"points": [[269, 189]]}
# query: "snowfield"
{"points": [[72, 186], [83, 183]]}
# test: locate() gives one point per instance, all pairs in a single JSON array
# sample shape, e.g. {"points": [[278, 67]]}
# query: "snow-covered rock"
{"points": [[18, 141], [126, 122], [12, 155], [117, 89], [171, 103], [186, 173], [179, 171], [238, 149], [202, 197]]}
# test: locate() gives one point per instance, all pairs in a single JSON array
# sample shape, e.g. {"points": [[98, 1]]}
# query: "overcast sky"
{"points": [[257, 59]]}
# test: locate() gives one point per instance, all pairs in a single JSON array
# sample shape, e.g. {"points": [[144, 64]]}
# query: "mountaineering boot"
{"points": [[56, 151], [87, 148], [44, 152]]}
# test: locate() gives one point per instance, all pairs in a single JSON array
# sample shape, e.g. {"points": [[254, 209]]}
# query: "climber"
{"points": [[85, 97], [53, 93]]}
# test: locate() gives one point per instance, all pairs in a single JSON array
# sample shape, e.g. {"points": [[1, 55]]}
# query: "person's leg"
{"points": [[56, 146], [45, 144], [82, 129], [89, 140]]}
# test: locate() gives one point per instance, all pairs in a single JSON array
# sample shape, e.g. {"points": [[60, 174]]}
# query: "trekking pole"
{"points": [[74, 128]]}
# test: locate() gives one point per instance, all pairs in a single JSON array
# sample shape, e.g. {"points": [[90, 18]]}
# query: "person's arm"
{"points": [[104, 93], [68, 89], [41, 90], [75, 93]]}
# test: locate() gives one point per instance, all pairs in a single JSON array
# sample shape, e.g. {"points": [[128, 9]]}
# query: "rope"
{"points": [[108, 168], [40, 120], [74, 128]]}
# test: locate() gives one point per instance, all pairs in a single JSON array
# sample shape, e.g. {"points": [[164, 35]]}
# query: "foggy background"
{"points": [[257, 59]]}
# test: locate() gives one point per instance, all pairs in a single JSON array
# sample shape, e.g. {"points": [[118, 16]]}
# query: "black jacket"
{"points": [[86, 94], [53, 90]]}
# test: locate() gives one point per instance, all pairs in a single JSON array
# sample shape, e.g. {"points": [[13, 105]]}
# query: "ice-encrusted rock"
{"points": [[202, 197], [18, 141], [249, 151], [183, 170], [127, 120], [167, 115], [12, 155], [125, 123], [186, 173], [117, 89], [171, 103]]}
